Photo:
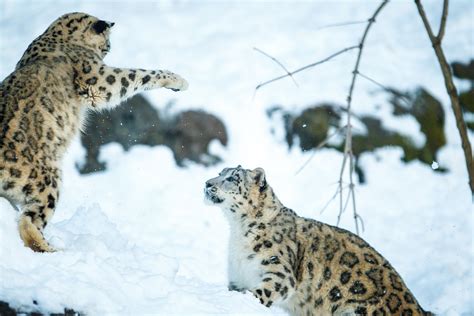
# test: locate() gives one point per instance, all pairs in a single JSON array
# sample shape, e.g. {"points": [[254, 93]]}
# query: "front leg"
{"points": [[278, 282], [108, 86]]}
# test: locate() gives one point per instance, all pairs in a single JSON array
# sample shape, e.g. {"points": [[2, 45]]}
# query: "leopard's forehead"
{"points": [[75, 21], [231, 171], [75, 18], [237, 172]]}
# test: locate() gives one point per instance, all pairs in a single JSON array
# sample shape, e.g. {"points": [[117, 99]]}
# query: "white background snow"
{"points": [[138, 239]]}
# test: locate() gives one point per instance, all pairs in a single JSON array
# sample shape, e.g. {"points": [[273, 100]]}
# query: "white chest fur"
{"points": [[244, 268]]}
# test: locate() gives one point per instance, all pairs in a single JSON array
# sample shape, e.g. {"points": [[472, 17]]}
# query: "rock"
{"points": [[187, 134], [134, 122], [463, 71], [429, 113], [6, 310], [377, 137], [311, 127], [466, 97]]}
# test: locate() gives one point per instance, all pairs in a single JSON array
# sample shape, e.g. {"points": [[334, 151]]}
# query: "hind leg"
{"points": [[37, 211]]}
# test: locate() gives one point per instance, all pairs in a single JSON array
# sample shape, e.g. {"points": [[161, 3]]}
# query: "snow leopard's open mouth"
{"points": [[211, 197]]}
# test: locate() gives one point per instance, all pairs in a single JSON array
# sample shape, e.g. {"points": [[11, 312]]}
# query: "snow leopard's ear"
{"points": [[260, 179], [100, 26]]}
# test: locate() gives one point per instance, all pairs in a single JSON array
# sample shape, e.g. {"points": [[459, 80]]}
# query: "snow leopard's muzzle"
{"points": [[210, 192]]}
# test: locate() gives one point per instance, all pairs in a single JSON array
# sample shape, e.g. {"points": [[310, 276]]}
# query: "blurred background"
{"points": [[131, 217]]}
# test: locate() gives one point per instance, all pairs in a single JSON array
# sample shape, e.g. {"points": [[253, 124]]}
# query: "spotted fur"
{"points": [[299, 264], [43, 103]]}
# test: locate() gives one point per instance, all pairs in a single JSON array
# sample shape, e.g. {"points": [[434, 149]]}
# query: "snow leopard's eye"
{"points": [[231, 179]]}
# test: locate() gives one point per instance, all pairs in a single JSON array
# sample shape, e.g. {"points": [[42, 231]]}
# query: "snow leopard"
{"points": [[300, 264], [44, 103]]}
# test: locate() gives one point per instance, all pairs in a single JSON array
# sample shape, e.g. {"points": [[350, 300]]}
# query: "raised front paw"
{"points": [[173, 81]]}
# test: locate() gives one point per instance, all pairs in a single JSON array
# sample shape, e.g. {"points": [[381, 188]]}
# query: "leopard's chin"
{"points": [[212, 198]]}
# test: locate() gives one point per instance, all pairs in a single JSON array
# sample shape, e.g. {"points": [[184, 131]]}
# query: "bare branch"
{"points": [[341, 174], [374, 81], [451, 89], [358, 218], [444, 17], [422, 13], [348, 139], [306, 67], [385, 88], [342, 210], [278, 62], [352, 191], [330, 200], [361, 47], [348, 145], [340, 24], [320, 145]]}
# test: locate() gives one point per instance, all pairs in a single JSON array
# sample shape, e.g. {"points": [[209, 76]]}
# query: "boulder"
{"points": [[311, 128], [188, 133]]}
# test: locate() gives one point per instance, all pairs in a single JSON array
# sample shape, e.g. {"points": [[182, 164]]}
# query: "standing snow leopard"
{"points": [[302, 265], [42, 105]]}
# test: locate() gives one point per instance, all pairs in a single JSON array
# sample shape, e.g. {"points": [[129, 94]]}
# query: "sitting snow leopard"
{"points": [[299, 264], [42, 105]]}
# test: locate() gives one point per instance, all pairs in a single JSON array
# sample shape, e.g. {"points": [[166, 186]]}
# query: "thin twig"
{"points": [[361, 222], [348, 139], [344, 208], [444, 17], [348, 145], [330, 200], [340, 24], [422, 13], [352, 190], [341, 174], [306, 67], [450, 88], [385, 88], [278, 62], [320, 145], [374, 82]]}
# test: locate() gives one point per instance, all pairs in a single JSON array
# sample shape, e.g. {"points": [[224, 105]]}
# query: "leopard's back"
{"points": [[342, 273]]}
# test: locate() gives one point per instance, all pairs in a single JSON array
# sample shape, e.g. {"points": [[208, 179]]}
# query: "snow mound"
{"points": [[99, 264]]}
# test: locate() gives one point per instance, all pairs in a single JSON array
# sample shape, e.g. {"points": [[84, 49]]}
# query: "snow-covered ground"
{"points": [[138, 239]]}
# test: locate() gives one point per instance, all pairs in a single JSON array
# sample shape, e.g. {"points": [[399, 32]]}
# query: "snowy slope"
{"points": [[138, 238]]}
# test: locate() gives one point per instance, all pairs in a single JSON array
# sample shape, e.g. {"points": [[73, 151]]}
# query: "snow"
{"points": [[138, 239]]}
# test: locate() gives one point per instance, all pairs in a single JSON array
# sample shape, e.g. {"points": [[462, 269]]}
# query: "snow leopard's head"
{"points": [[237, 190], [84, 30]]}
